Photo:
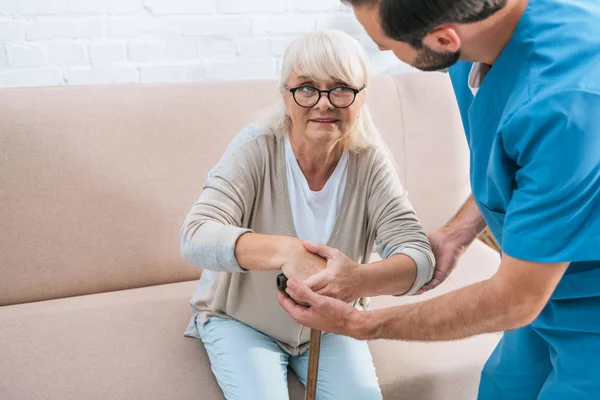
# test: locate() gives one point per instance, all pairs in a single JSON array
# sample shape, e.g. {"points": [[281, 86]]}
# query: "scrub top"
{"points": [[533, 129]]}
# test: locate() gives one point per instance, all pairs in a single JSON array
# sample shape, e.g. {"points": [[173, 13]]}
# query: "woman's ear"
{"points": [[443, 39]]}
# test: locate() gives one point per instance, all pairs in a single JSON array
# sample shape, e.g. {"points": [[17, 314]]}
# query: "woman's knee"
{"points": [[246, 363]]}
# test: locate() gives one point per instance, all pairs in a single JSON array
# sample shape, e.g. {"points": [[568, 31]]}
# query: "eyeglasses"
{"points": [[309, 96]]}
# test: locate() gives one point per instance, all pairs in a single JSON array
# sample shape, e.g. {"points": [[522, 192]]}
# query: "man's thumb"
{"points": [[318, 248], [300, 292], [317, 281]]}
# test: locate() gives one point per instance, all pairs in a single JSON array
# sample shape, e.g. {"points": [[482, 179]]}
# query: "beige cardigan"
{"points": [[247, 191]]}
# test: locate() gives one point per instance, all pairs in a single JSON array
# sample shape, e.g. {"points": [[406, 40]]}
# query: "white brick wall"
{"points": [[107, 53], [79, 42], [25, 55]]}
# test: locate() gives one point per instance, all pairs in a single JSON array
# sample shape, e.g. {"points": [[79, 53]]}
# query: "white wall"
{"points": [[75, 42]]}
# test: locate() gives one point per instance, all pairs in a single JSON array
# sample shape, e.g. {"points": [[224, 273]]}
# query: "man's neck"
{"points": [[484, 41]]}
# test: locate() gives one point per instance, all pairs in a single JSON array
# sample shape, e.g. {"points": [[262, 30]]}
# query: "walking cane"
{"points": [[313, 352]]}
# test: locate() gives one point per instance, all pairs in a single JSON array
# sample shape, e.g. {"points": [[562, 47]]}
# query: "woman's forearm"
{"points": [[258, 252], [392, 276], [270, 252]]}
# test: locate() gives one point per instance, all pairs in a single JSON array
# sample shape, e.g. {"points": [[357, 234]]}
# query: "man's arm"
{"points": [[452, 240], [466, 225], [513, 298]]}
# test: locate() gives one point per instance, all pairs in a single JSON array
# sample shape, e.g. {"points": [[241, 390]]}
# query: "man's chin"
{"points": [[429, 60]]}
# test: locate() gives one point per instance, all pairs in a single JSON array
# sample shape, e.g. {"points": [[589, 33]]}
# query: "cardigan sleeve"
{"points": [[398, 230], [215, 222]]}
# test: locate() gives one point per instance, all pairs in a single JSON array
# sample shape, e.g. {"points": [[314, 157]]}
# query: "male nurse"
{"points": [[526, 74]]}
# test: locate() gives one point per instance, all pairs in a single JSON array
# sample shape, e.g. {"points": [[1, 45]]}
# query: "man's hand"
{"points": [[340, 280], [298, 262], [321, 312], [447, 252]]}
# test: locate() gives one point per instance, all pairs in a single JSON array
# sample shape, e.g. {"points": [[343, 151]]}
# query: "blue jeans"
{"points": [[249, 365]]}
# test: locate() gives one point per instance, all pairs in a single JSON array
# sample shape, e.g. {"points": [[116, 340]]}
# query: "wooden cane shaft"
{"points": [[313, 365]]}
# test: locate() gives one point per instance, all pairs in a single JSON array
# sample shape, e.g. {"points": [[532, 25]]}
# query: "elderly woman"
{"points": [[316, 171]]}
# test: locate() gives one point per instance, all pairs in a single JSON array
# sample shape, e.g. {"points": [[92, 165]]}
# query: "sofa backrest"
{"points": [[95, 182]]}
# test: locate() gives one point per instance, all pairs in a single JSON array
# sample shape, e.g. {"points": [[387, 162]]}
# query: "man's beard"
{"points": [[429, 60]]}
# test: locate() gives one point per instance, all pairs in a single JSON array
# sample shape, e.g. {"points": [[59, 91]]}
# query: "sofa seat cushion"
{"points": [[120, 345], [129, 345]]}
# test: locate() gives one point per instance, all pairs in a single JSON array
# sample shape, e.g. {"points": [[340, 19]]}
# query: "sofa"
{"points": [[95, 183]]}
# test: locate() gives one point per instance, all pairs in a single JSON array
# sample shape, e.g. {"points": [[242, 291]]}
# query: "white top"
{"points": [[314, 213], [478, 72]]}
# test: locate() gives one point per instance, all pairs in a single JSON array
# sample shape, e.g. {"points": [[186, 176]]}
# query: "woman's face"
{"points": [[322, 122]]}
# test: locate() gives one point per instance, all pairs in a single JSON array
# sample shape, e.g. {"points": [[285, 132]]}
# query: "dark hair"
{"points": [[411, 20]]}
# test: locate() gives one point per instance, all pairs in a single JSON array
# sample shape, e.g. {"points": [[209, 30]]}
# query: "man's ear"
{"points": [[443, 39]]}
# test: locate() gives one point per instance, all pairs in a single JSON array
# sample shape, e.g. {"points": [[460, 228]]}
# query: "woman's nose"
{"points": [[323, 102]]}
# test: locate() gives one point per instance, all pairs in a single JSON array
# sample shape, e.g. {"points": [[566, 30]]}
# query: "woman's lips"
{"points": [[324, 121]]}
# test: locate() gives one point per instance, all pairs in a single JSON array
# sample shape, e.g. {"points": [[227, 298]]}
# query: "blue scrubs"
{"points": [[534, 134]]}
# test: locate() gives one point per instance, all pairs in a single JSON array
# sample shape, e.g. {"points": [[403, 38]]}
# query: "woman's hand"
{"points": [[298, 262], [340, 280]]}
